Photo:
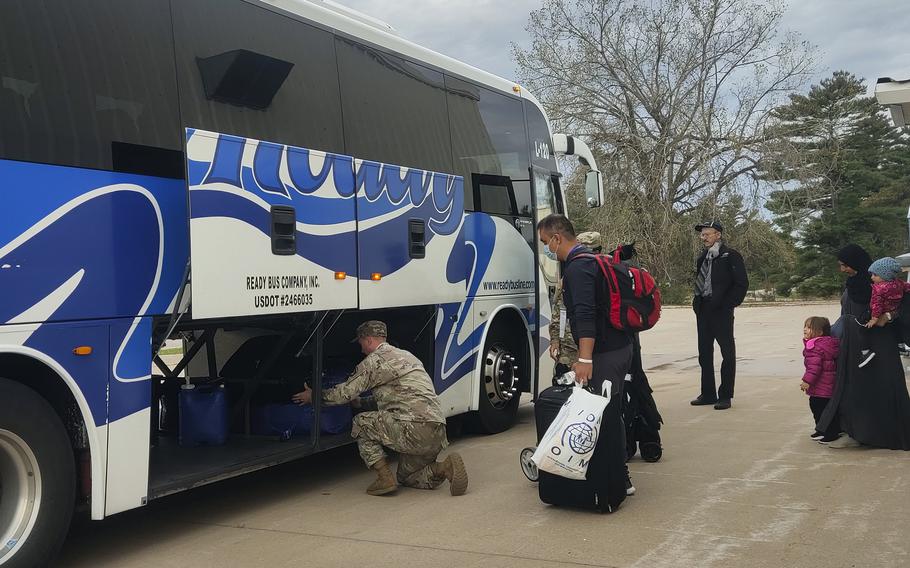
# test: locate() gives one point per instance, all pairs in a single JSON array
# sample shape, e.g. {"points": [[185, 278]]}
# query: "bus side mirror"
{"points": [[594, 189]]}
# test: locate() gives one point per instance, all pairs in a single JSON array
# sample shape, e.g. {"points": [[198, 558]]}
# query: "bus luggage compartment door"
{"points": [[272, 227], [410, 236]]}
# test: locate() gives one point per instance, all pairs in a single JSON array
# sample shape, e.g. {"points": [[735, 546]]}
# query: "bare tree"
{"points": [[673, 94]]}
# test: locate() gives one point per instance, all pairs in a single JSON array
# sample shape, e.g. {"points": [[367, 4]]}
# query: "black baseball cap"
{"points": [[710, 225]]}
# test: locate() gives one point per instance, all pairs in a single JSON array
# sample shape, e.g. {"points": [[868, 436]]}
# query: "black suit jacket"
{"points": [[729, 281]]}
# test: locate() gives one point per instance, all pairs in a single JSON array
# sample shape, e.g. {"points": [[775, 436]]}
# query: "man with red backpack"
{"points": [[563, 349], [604, 352], [600, 345]]}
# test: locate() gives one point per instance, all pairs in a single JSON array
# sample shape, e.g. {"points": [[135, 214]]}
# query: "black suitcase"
{"points": [[605, 487]]}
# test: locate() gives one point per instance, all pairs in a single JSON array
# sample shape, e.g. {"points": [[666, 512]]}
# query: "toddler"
{"points": [[887, 292], [820, 359]]}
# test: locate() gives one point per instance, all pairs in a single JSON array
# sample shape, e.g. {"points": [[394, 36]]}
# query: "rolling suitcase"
{"points": [[605, 487]]}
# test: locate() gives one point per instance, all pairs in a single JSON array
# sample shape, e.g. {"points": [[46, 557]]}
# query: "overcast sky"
{"points": [[870, 38]]}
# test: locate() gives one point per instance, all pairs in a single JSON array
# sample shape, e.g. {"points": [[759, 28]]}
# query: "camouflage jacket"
{"points": [[568, 350], [554, 310], [399, 383]]}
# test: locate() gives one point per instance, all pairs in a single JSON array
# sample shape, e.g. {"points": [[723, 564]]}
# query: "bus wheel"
{"points": [[500, 371], [37, 478]]}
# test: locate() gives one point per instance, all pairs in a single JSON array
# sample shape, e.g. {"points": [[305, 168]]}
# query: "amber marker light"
{"points": [[82, 350], [516, 88], [341, 275], [376, 277]]}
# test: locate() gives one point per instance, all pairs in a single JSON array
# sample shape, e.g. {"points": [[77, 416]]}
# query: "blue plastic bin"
{"points": [[286, 420], [282, 420], [203, 416], [335, 419], [289, 420]]}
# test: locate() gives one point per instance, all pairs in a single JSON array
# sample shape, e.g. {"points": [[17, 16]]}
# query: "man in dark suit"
{"points": [[720, 285]]}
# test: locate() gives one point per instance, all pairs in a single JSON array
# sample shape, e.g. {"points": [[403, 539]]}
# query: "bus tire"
{"points": [[37, 478], [503, 360]]}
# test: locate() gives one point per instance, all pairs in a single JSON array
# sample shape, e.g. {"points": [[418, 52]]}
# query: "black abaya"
{"points": [[872, 403]]}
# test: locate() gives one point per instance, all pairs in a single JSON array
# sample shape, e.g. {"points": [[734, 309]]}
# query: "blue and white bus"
{"points": [[253, 178]]}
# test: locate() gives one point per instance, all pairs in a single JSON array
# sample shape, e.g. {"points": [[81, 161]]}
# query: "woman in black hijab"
{"points": [[871, 403], [855, 261]]}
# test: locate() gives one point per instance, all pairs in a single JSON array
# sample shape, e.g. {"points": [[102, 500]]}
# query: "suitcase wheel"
{"points": [[527, 466], [650, 451]]}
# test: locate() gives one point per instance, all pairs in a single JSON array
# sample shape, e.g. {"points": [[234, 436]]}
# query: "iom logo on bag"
{"points": [[581, 436]]}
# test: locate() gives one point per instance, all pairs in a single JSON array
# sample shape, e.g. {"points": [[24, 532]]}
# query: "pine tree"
{"points": [[842, 171]]}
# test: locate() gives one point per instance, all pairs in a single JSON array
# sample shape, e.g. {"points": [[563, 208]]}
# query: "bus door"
{"points": [[546, 190], [508, 204], [549, 200]]}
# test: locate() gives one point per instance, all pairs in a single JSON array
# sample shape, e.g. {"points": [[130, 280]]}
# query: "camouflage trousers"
{"points": [[417, 445]]}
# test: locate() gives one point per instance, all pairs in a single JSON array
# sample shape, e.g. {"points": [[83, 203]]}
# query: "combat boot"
{"points": [[452, 468], [385, 480]]}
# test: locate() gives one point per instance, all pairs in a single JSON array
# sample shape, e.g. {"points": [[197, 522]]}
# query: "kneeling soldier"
{"points": [[407, 418]]}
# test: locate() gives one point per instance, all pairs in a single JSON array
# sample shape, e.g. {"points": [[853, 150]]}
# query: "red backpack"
{"points": [[634, 296]]}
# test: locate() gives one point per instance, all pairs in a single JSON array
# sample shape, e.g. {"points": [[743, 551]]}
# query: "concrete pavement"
{"points": [[744, 487]]}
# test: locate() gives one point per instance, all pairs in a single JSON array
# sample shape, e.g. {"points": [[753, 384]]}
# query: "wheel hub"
{"points": [[500, 375], [20, 492]]}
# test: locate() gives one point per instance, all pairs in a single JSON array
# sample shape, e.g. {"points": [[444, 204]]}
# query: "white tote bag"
{"points": [[568, 445]]}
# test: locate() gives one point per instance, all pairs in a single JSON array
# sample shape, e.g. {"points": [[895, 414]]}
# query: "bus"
{"points": [[248, 180], [895, 96]]}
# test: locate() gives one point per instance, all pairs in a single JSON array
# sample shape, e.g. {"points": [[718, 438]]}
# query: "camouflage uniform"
{"points": [[568, 350], [408, 418]]}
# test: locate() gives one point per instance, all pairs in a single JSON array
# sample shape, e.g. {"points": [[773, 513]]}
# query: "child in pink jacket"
{"points": [[820, 358], [888, 291]]}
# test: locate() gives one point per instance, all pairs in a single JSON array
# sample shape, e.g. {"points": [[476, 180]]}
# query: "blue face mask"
{"points": [[550, 254]]}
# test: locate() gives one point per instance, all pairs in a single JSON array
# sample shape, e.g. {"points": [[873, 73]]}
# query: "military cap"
{"points": [[371, 328], [589, 238]]}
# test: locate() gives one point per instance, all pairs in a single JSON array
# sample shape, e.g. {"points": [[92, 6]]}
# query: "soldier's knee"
{"points": [[363, 418]]}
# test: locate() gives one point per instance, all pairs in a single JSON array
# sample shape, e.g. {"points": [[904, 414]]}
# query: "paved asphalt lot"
{"points": [[744, 487]]}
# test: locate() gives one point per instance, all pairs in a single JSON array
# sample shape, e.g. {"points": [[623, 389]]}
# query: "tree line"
{"points": [[701, 109]]}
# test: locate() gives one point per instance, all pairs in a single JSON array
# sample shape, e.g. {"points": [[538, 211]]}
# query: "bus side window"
{"points": [[546, 187], [246, 70], [70, 93], [557, 194], [488, 137], [494, 195], [383, 93]]}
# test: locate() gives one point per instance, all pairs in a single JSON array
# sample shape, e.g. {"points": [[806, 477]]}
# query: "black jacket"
{"points": [[729, 281], [587, 303]]}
